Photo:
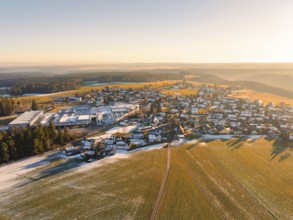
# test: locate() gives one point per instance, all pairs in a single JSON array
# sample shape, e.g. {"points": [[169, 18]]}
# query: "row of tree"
{"points": [[74, 81], [134, 77], [18, 143], [43, 87], [6, 106]]}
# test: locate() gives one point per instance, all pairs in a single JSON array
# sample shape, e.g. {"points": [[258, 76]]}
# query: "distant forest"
{"points": [[46, 86], [73, 81]]}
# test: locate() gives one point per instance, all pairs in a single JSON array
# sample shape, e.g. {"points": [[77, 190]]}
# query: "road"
{"points": [[163, 186], [9, 117]]}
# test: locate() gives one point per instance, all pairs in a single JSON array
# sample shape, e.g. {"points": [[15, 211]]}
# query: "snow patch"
{"points": [[120, 129]]}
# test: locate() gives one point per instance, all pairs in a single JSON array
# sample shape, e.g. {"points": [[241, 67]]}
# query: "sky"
{"points": [[145, 31]]}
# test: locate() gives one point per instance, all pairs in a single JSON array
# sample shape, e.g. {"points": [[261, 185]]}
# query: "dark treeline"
{"points": [[202, 77], [6, 106], [18, 143], [9, 78], [45, 86], [132, 77], [73, 81]]}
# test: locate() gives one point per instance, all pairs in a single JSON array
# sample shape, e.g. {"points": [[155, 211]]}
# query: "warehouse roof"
{"points": [[25, 118]]}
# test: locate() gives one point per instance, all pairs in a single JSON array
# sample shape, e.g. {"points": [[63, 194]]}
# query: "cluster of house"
{"points": [[210, 110], [214, 110], [137, 136]]}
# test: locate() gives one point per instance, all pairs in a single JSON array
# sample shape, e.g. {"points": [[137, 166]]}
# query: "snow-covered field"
{"points": [[120, 129], [120, 154], [14, 174], [227, 137], [114, 130], [11, 174], [183, 141]]}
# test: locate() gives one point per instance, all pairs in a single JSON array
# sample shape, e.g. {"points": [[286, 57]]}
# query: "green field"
{"points": [[232, 179]]}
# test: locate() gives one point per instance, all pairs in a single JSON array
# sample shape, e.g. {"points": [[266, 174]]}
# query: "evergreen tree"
{"points": [[4, 152], [38, 147], [28, 141], [66, 133], [34, 105], [60, 137], [159, 108], [18, 135], [175, 122], [47, 140], [52, 131], [6, 106], [12, 149], [20, 142]]}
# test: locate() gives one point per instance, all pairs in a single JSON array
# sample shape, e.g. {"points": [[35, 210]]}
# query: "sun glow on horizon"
{"points": [[146, 31]]}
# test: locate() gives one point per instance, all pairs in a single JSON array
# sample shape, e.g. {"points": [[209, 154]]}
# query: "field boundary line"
{"points": [[205, 193], [163, 186], [245, 188]]}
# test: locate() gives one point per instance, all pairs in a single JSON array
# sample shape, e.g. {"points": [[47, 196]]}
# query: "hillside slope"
{"points": [[276, 80], [231, 179]]}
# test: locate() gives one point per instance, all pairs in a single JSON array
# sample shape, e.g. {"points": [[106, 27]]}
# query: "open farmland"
{"points": [[232, 179], [209, 84], [124, 188], [213, 179], [265, 97], [263, 167]]}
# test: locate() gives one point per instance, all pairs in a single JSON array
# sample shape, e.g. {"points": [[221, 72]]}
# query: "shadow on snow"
{"points": [[65, 166]]}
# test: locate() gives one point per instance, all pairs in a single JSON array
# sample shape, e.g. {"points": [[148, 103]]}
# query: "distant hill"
{"points": [[277, 80], [261, 87], [272, 78]]}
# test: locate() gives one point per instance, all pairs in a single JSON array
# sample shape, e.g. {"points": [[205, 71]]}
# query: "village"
{"points": [[130, 118]]}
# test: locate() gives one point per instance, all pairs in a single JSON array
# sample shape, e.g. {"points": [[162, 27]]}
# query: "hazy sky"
{"points": [[99, 31]]}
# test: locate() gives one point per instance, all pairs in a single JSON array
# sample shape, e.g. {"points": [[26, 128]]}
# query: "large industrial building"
{"points": [[71, 119], [73, 116], [26, 119], [77, 115], [114, 113]]}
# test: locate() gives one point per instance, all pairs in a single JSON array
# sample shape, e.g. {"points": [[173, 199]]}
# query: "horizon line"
{"points": [[37, 64]]}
